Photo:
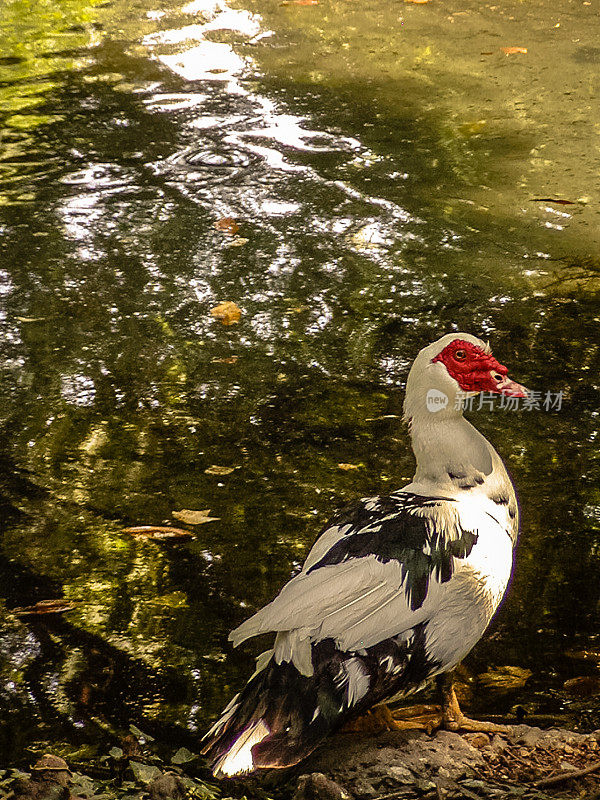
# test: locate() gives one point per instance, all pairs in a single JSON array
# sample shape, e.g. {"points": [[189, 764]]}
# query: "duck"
{"points": [[396, 590]]}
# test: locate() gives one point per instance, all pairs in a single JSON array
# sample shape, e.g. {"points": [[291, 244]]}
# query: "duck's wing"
{"points": [[378, 569]]}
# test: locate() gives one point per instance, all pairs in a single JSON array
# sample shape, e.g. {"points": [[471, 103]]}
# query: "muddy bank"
{"points": [[526, 762]]}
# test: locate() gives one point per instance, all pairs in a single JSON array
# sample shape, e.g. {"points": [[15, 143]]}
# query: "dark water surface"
{"points": [[389, 168]]}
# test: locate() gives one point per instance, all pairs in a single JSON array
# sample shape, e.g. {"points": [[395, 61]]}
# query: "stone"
{"points": [[166, 786], [401, 774], [317, 786]]}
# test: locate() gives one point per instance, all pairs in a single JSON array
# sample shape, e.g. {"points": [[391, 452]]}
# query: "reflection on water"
{"points": [[371, 203]]}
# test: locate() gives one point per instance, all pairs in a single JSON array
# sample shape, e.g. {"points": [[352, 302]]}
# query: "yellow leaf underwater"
{"points": [[191, 517], [158, 532], [215, 469], [227, 313]]}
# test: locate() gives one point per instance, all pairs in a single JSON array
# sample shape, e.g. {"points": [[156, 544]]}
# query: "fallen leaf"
{"points": [[182, 756], [229, 360], [503, 679], [584, 655], [215, 469], [45, 607], [227, 312], [299, 3], [509, 51], [556, 200], [417, 2], [143, 773], [143, 737], [227, 225], [369, 236], [348, 467], [583, 686], [158, 532], [31, 319], [237, 242], [191, 517]]}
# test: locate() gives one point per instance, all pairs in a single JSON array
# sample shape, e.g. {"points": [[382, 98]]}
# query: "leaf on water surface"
{"points": [[348, 467], [239, 241], [45, 607], [510, 51], [583, 685], [227, 312], [557, 200], [584, 655], [229, 360], [299, 3], [158, 532], [504, 679], [191, 517], [417, 2], [215, 469], [228, 225]]}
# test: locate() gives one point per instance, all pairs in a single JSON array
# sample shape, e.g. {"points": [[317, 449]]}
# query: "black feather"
{"points": [[286, 701], [391, 528]]}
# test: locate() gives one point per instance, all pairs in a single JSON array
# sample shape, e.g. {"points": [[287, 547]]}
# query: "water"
{"points": [[389, 170]]}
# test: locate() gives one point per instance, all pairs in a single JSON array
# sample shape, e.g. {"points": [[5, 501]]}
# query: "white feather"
{"points": [[238, 759]]}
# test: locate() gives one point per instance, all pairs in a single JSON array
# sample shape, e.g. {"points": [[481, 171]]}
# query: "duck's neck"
{"points": [[452, 455]]}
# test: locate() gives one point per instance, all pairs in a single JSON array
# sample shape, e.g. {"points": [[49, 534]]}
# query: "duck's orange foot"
{"points": [[453, 718], [380, 718]]}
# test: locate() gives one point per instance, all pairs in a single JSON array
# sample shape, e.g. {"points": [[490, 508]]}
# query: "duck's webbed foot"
{"points": [[380, 718], [453, 718]]}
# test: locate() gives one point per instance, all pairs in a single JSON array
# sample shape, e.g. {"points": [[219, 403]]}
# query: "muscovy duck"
{"points": [[396, 590]]}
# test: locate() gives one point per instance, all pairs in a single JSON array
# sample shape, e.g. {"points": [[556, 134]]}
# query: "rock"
{"points": [[405, 765], [317, 786], [478, 740], [52, 769], [401, 774], [166, 786], [567, 767], [363, 788], [49, 780], [27, 789], [523, 734]]}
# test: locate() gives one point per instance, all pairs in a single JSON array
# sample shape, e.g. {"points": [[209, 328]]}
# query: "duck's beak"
{"points": [[511, 388]]}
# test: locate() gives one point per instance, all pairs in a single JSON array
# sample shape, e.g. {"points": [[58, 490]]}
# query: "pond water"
{"points": [[393, 171]]}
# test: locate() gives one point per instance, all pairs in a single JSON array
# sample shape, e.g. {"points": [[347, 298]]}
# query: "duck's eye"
{"points": [[460, 355]]}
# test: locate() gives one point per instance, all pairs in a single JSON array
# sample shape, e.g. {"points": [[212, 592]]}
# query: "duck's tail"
{"points": [[278, 719], [282, 715]]}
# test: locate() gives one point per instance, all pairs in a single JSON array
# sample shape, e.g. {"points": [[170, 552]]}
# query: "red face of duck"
{"points": [[477, 371]]}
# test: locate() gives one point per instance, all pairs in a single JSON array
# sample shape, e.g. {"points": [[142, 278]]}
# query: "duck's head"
{"points": [[457, 365]]}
